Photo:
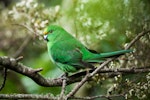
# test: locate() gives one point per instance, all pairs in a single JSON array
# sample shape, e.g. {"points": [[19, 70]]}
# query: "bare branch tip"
{"points": [[19, 58], [37, 70]]}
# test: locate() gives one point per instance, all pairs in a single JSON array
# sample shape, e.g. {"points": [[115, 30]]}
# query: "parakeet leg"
{"points": [[65, 75]]}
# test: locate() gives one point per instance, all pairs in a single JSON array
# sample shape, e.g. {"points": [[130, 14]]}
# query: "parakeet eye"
{"points": [[51, 31], [45, 37]]}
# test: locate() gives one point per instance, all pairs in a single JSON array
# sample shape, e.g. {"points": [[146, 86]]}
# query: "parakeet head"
{"points": [[52, 31]]}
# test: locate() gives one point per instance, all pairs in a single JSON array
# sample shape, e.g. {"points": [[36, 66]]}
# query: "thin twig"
{"points": [[133, 42], [22, 25], [136, 39], [28, 28], [77, 87], [22, 47], [19, 58], [37, 70], [62, 94], [4, 79]]}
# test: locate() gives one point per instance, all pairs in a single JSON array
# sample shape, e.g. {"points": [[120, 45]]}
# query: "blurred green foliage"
{"points": [[105, 25], [102, 25]]}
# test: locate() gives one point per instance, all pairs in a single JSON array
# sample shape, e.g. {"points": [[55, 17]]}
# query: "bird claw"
{"points": [[64, 76]]}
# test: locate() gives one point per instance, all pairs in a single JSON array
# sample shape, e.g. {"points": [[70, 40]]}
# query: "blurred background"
{"points": [[101, 25]]}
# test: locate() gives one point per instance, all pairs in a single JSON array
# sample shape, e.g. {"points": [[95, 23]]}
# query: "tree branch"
{"points": [[109, 97], [49, 97], [28, 96], [12, 64]]}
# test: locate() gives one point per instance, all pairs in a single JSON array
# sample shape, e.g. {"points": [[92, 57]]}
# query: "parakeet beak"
{"points": [[45, 37]]}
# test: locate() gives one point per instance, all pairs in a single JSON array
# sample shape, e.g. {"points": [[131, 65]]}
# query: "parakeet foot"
{"points": [[64, 76]]}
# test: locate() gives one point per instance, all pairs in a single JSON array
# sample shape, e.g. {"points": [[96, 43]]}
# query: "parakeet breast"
{"points": [[49, 45]]}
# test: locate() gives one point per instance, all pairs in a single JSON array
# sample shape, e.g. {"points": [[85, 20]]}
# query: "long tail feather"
{"points": [[115, 53], [101, 57]]}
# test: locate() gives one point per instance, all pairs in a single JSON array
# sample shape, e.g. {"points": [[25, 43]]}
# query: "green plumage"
{"points": [[69, 54]]}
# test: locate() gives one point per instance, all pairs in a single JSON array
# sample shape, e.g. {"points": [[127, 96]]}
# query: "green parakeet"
{"points": [[69, 54]]}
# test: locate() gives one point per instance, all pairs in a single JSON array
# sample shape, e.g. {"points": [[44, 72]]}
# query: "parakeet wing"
{"points": [[68, 53]]}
